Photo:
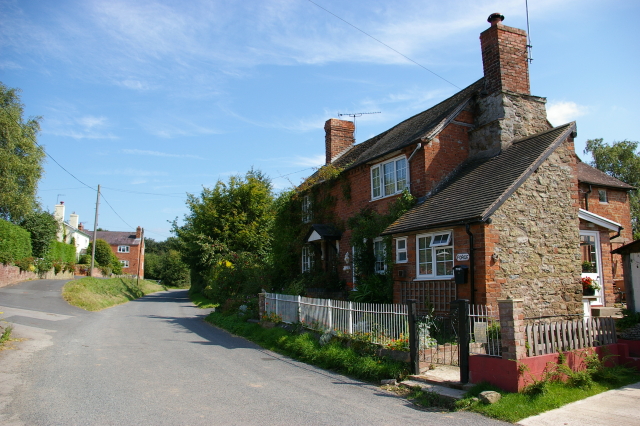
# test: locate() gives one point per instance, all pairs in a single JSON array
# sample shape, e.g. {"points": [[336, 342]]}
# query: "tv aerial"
{"points": [[354, 115]]}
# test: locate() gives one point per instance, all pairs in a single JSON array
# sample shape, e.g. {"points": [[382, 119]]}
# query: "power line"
{"points": [[384, 44], [114, 210]]}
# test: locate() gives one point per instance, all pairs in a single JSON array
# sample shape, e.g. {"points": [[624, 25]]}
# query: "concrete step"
{"points": [[447, 392], [439, 381]]}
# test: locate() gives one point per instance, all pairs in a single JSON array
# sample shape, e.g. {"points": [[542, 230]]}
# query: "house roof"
{"points": [[117, 238], [633, 247], [74, 229], [479, 187], [417, 128], [322, 232], [588, 174]]}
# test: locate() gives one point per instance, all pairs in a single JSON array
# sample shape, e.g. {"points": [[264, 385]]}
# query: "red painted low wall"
{"points": [[513, 376], [634, 346]]}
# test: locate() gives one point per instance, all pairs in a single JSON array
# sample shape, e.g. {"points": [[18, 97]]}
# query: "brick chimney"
{"points": [[504, 57], [138, 232], [338, 137], [81, 226]]}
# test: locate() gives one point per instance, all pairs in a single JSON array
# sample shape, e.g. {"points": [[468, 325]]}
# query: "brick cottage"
{"points": [[128, 248], [501, 194]]}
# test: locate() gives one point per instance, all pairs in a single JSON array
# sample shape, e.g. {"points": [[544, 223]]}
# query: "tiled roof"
{"points": [[117, 238], [588, 174], [480, 187], [407, 132]]}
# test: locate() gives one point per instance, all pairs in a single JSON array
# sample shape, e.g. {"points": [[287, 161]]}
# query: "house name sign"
{"points": [[461, 257]]}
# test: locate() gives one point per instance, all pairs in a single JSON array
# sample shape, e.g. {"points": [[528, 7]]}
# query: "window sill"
{"points": [[386, 196], [443, 278]]}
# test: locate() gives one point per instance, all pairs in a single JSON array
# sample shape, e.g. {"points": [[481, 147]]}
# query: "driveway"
{"points": [[155, 361]]}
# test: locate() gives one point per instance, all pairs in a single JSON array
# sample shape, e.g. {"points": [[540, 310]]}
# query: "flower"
{"points": [[589, 283]]}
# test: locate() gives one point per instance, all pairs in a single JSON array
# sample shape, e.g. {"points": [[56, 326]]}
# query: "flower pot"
{"points": [[588, 292]]}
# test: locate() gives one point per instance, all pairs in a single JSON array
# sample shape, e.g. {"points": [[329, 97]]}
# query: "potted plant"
{"points": [[589, 286]]}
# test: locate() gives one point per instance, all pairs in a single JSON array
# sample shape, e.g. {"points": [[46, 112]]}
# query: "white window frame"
{"points": [[602, 193], [124, 249], [125, 263], [402, 249], [388, 179], [307, 212], [307, 258], [380, 254], [433, 250]]}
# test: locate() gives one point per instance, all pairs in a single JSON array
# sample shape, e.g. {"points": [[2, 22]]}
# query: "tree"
{"points": [[620, 160], [21, 158], [104, 255], [228, 222], [43, 228]]}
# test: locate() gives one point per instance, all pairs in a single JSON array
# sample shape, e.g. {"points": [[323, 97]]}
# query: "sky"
{"points": [[156, 99]]}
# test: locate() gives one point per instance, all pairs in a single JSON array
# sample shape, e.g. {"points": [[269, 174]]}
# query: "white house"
{"points": [[71, 231]]}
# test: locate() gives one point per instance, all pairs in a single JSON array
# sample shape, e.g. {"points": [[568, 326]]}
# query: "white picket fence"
{"points": [[377, 323], [547, 338]]}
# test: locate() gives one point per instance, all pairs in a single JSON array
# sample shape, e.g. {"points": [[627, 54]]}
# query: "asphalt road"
{"points": [[154, 361]]}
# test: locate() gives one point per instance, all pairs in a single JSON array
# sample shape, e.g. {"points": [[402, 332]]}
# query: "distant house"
{"points": [[71, 232], [128, 248], [501, 194]]}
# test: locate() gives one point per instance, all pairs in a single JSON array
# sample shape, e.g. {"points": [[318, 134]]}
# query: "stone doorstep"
{"points": [[453, 394], [437, 381], [606, 312]]}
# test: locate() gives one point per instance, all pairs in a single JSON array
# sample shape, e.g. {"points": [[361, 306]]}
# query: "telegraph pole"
{"points": [[95, 234]]}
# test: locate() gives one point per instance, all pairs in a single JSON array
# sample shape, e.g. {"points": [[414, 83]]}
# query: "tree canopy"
{"points": [[620, 160], [43, 229], [21, 158], [225, 226]]}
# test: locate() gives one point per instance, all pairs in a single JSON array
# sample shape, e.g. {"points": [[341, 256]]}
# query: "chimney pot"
{"points": [[495, 18]]}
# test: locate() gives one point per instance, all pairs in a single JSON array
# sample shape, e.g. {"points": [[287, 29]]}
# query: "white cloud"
{"points": [[160, 154], [132, 172], [560, 112], [90, 122]]}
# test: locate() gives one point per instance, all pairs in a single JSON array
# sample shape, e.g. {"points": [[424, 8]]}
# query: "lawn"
{"points": [[94, 294]]}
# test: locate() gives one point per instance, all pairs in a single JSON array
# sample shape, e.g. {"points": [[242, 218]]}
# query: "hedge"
{"points": [[15, 242], [62, 252]]}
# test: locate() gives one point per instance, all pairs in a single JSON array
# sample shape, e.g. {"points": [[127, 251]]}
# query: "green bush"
{"points": [[43, 228], [15, 242], [61, 252]]}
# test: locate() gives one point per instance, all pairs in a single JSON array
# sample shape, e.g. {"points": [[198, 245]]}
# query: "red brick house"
{"points": [[501, 193], [128, 248]]}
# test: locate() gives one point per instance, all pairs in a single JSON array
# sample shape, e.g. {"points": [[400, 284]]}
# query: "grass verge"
{"points": [[6, 334], [94, 294], [513, 407], [201, 301], [304, 347]]}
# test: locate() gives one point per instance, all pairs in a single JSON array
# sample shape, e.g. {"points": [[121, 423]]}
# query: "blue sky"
{"points": [[156, 99]]}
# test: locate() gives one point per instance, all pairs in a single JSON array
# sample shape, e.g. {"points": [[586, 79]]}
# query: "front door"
{"points": [[591, 266]]}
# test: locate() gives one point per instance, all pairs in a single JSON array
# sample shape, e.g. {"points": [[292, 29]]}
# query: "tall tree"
{"points": [[622, 161], [20, 158], [226, 222], [43, 229]]}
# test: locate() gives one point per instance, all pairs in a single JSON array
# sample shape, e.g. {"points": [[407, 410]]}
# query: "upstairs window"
{"points": [[123, 249], [380, 253], [388, 178], [307, 213], [435, 255], [602, 195]]}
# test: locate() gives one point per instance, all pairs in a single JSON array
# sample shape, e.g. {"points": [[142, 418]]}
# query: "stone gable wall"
{"points": [[536, 241]]}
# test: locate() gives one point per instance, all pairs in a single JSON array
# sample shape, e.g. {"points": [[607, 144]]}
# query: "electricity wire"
{"points": [[384, 44]]}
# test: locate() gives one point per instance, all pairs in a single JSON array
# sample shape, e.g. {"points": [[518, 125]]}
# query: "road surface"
{"points": [[154, 361]]}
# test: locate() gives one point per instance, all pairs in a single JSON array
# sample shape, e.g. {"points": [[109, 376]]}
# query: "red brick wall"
{"points": [[338, 137], [132, 257], [434, 161], [617, 209]]}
